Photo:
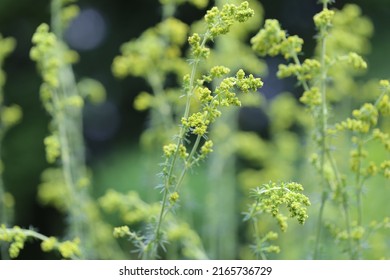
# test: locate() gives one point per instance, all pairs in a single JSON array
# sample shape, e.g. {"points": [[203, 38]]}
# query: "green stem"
{"points": [[69, 125], [359, 186], [324, 198], [181, 137], [189, 162], [56, 24], [222, 225], [323, 143], [305, 85], [258, 240]]}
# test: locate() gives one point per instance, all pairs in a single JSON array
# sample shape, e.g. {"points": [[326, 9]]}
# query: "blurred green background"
{"points": [[112, 129]]}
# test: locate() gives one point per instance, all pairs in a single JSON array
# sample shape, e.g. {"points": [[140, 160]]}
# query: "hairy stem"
{"points": [[182, 133], [323, 142]]}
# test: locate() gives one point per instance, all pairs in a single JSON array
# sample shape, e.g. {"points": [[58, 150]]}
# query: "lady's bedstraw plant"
{"points": [[132, 210], [67, 186], [221, 225], [9, 116], [313, 75], [16, 236], [155, 56], [268, 199], [194, 125]]}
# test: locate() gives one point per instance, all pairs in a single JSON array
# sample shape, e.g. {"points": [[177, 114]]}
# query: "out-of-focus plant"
{"points": [[133, 211], [335, 57], [67, 186], [9, 116], [14, 235], [220, 223], [193, 107], [268, 199], [195, 123]]}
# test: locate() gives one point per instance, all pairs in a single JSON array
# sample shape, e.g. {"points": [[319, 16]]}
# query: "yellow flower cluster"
{"points": [[323, 21], [157, 49], [269, 197], [220, 21], [17, 237]]}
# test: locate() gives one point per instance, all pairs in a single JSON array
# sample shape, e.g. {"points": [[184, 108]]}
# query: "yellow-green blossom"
{"points": [[53, 148], [49, 244], [69, 249], [311, 97], [121, 231], [174, 197]]}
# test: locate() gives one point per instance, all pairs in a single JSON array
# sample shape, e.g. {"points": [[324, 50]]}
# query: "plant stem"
{"points": [[56, 24], [323, 142], [221, 224], [359, 185], [326, 153], [68, 121], [258, 240], [180, 140]]}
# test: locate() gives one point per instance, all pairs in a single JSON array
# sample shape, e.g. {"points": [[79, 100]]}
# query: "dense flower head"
{"points": [[269, 197], [197, 122], [306, 71], [121, 231], [323, 20], [367, 113], [44, 53], [220, 21], [364, 119], [224, 95], [291, 46], [206, 148], [267, 41], [174, 197], [356, 61], [198, 48], [311, 97]]}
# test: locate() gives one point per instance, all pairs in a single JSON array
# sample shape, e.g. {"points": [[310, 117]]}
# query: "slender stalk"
{"points": [[56, 24], [69, 125], [189, 163], [221, 224], [323, 144], [258, 240], [359, 186], [180, 140], [326, 154]]}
